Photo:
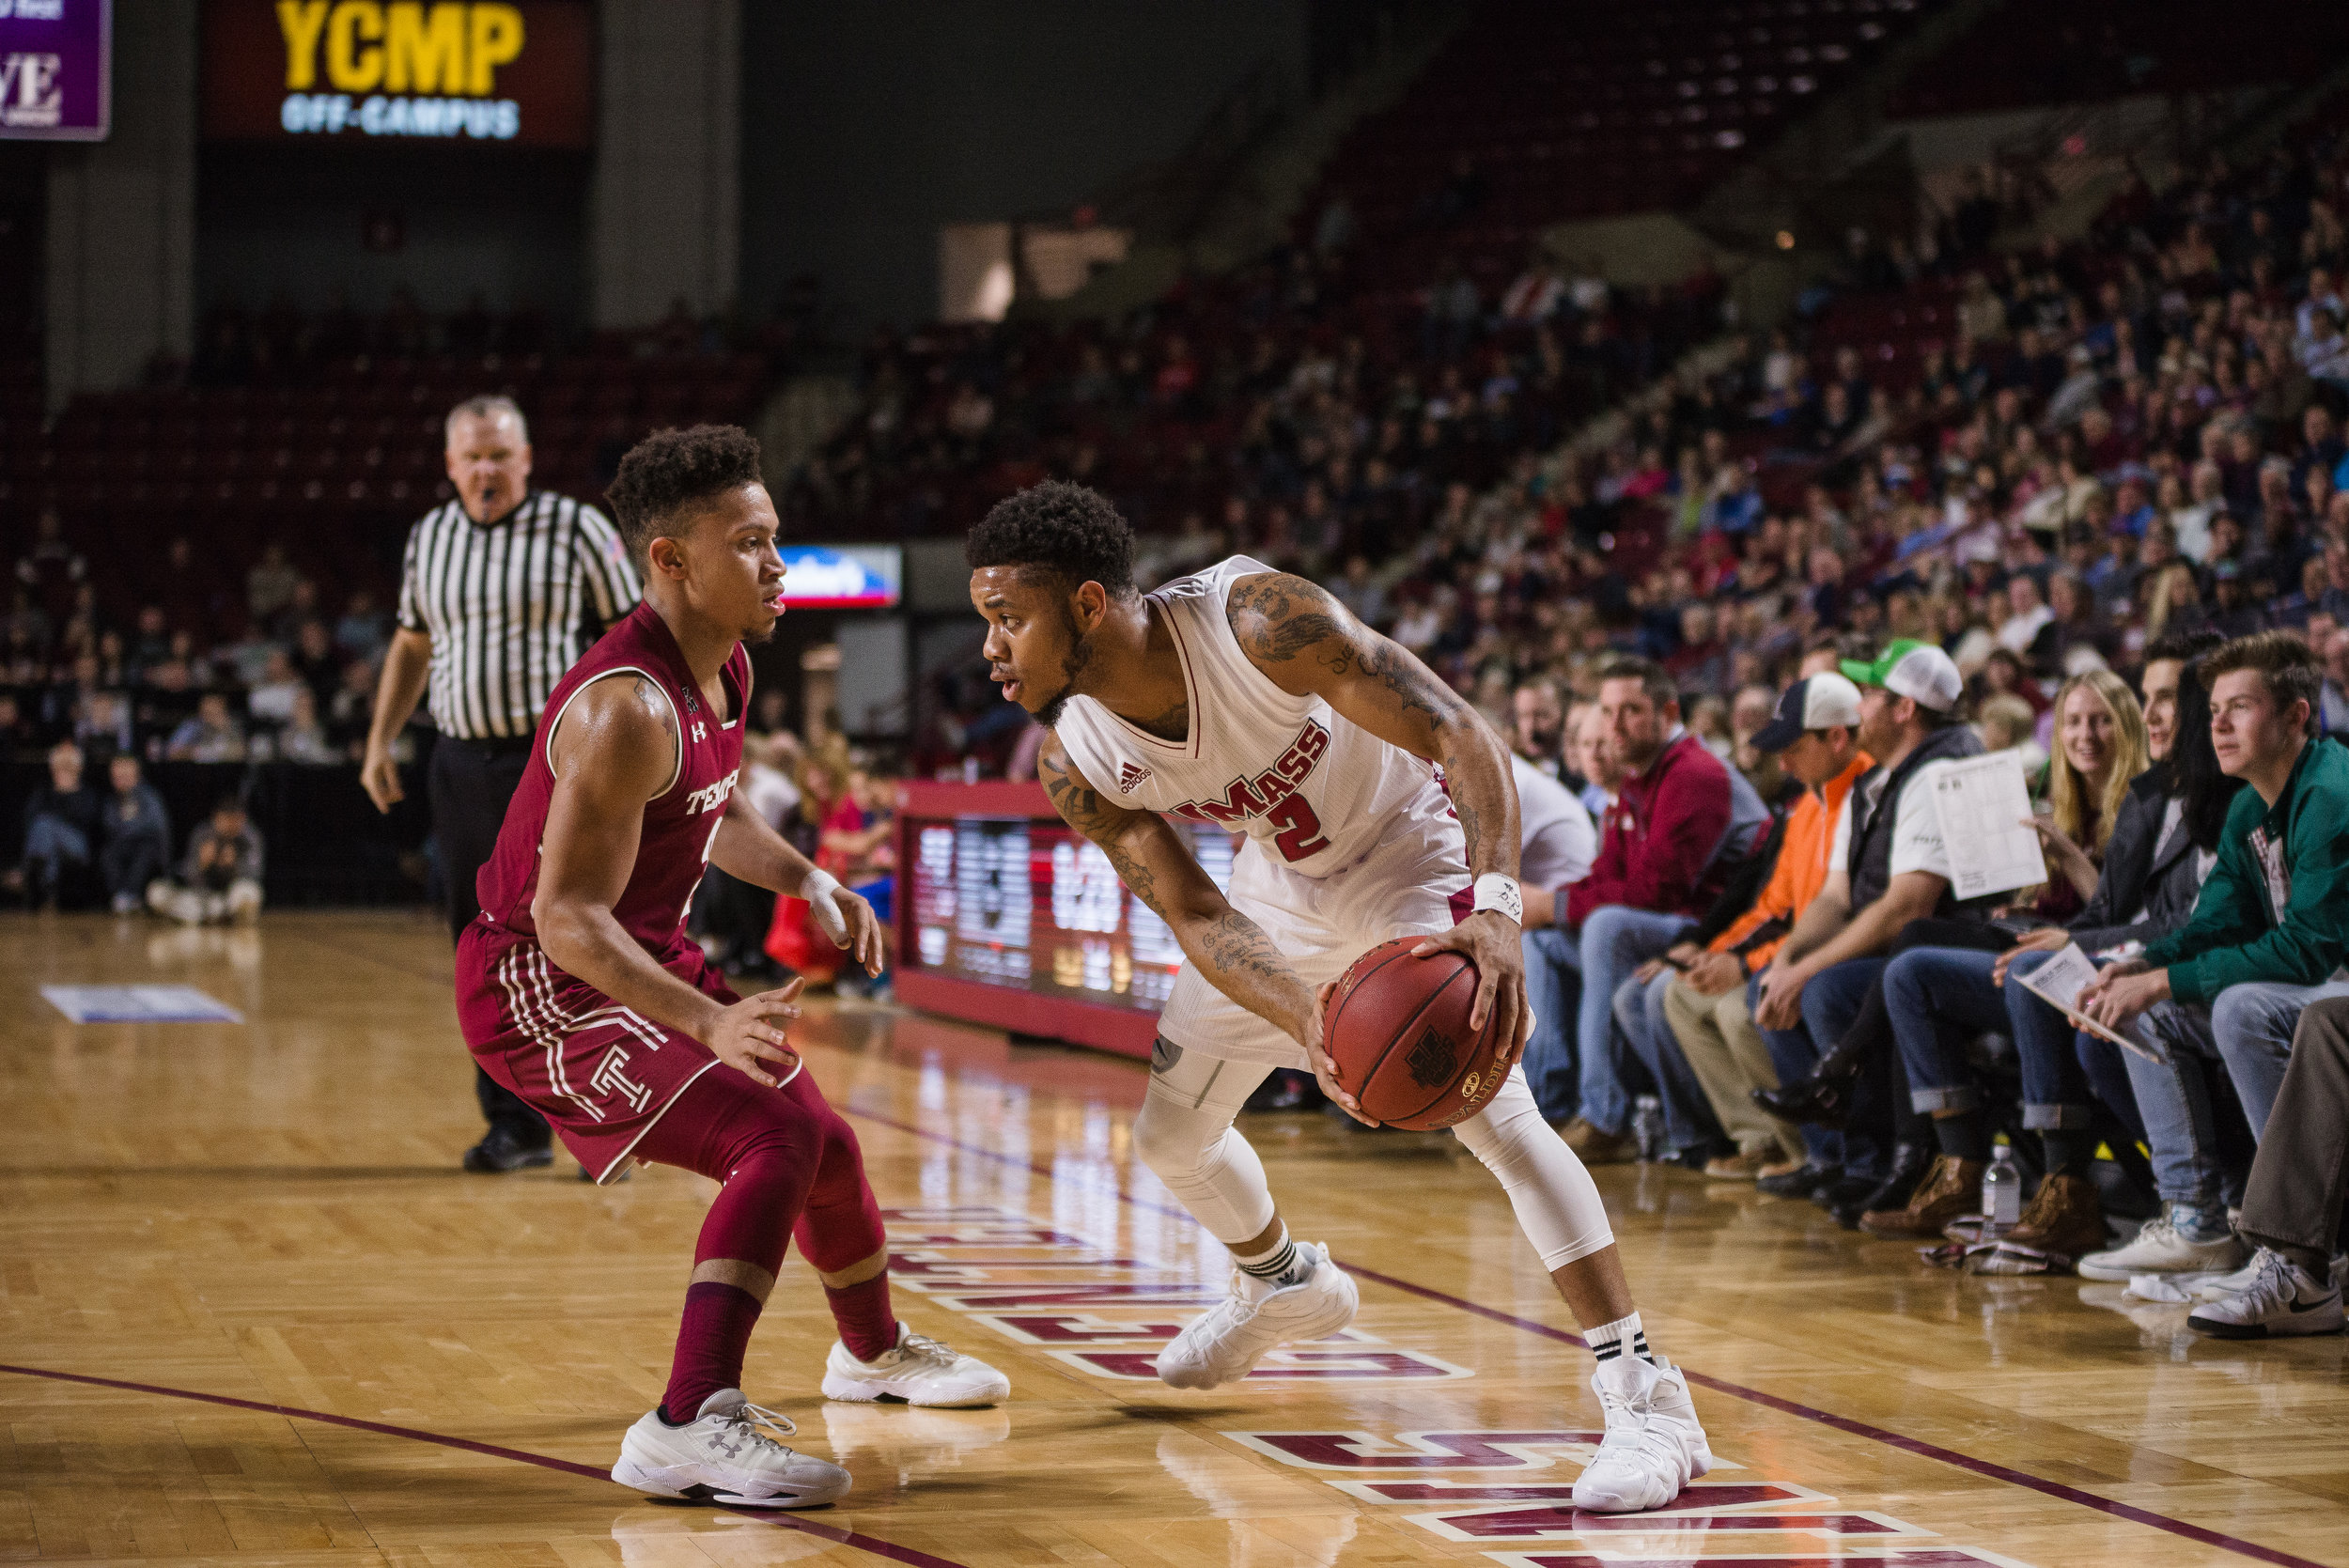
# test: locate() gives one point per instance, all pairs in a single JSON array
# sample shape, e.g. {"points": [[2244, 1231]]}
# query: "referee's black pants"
{"points": [[471, 783]]}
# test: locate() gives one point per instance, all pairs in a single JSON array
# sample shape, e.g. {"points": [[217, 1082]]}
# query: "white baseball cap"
{"points": [[1916, 669]]}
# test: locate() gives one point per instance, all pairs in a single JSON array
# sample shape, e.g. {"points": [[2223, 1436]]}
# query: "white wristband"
{"points": [[817, 890], [1497, 892]]}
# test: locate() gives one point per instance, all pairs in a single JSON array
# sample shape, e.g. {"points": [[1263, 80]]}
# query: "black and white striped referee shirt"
{"points": [[503, 603]]}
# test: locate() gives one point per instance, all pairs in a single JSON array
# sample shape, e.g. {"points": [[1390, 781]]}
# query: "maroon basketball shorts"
{"points": [[599, 1073]]}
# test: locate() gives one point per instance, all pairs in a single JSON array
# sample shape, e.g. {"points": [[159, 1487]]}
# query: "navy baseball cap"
{"points": [[1813, 703]]}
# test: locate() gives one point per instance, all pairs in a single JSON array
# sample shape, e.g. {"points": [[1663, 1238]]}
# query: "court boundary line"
{"points": [[833, 1533], [1992, 1470]]}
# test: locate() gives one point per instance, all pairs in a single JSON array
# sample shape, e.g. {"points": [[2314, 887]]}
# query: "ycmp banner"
{"points": [[511, 72], [55, 70]]}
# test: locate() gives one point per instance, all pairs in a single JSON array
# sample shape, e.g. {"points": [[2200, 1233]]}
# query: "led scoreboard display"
{"points": [[1008, 917]]}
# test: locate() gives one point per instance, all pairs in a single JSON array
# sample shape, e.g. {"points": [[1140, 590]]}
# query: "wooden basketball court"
{"points": [[252, 1314]]}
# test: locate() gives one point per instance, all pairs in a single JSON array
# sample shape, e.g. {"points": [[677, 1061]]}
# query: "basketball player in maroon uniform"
{"points": [[579, 990]]}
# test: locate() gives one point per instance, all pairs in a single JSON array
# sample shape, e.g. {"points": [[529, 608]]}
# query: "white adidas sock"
{"points": [[1611, 1339], [1277, 1266]]}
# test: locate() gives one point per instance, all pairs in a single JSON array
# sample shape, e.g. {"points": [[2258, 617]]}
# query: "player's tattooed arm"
{"points": [[1231, 950], [1305, 642]]}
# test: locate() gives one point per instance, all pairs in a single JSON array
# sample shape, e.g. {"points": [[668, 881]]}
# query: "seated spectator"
{"points": [[2291, 1209], [1814, 735], [2007, 724], [102, 725], [209, 735], [271, 699], [61, 821], [221, 878], [1660, 865], [303, 740], [1557, 841], [1888, 866], [364, 632], [1592, 758], [2333, 702], [2027, 615], [1940, 997], [138, 832], [1539, 715], [2271, 927], [2100, 750]]}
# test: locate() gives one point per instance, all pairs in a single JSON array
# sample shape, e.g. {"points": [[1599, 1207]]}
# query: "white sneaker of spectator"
{"points": [[2282, 1299], [2169, 1243]]}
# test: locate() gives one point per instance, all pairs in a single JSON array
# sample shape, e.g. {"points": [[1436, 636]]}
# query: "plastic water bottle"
{"points": [[2002, 1193], [1647, 1127]]}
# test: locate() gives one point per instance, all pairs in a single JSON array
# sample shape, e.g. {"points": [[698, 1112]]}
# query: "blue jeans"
{"points": [[1554, 983], [1639, 1022], [1829, 1004], [1615, 940], [2173, 1098], [2253, 1023], [50, 844], [1939, 998]]}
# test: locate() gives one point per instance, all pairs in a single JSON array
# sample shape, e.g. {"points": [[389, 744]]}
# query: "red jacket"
{"points": [[1660, 834]]}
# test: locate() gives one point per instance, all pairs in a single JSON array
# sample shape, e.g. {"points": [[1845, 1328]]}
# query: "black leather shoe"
{"points": [[1844, 1189], [1799, 1184], [1910, 1162], [502, 1150], [1819, 1101]]}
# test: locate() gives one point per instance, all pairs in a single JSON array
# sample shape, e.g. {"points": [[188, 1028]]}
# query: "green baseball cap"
{"points": [[1912, 669]]}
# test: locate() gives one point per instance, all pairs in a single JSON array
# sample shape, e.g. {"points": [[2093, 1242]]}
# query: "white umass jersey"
{"points": [[1351, 841]]}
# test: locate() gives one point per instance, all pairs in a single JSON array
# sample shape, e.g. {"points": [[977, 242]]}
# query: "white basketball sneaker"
{"points": [[1219, 1345], [1653, 1445], [720, 1456], [2281, 1298], [920, 1371]]}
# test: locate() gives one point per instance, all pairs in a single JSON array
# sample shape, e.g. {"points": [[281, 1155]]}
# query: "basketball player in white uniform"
{"points": [[1249, 698]]}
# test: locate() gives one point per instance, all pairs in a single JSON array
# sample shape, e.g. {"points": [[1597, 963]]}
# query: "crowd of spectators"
{"points": [[276, 677]]}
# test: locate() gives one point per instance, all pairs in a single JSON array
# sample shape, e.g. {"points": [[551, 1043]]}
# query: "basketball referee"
{"points": [[503, 588]]}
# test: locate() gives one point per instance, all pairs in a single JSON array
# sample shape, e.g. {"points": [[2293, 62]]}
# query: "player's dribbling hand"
{"points": [[1324, 1071], [750, 1031], [1492, 941]]}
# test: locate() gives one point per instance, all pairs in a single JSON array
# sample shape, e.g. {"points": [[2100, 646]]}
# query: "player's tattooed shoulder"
{"points": [[1280, 616]]}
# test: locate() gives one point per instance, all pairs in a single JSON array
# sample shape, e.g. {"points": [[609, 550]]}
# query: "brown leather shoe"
{"points": [[1951, 1188], [2065, 1216], [1595, 1147], [1743, 1166]]}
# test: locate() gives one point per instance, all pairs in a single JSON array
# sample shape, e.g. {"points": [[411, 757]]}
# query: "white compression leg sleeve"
{"points": [[1558, 1204], [1185, 1136]]}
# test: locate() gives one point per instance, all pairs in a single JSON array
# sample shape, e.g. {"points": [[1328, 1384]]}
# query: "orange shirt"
{"points": [[1801, 868]]}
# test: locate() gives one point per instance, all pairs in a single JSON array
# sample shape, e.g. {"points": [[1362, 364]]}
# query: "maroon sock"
{"points": [[867, 1327], [710, 1341]]}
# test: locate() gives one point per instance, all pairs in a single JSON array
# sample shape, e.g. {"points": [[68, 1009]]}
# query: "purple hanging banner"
{"points": [[55, 70]]}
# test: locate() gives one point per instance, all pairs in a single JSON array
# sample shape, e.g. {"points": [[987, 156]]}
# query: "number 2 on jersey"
{"points": [[1301, 830]]}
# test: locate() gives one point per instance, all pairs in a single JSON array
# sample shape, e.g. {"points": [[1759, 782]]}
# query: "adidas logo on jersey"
{"points": [[1131, 778]]}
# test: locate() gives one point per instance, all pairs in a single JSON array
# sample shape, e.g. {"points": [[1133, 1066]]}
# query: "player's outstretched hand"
{"points": [[1492, 941], [1325, 1070], [850, 923], [752, 1032]]}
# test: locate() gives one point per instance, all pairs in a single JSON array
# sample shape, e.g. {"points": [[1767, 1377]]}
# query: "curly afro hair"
{"points": [[1067, 530], [669, 472]]}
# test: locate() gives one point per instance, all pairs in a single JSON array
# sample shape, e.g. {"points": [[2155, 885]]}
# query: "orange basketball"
{"points": [[1397, 1032]]}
